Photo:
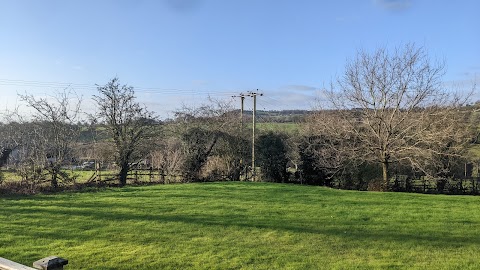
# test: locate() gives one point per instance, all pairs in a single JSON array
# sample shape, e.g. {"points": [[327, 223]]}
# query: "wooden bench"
{"points": [[48, 263]]}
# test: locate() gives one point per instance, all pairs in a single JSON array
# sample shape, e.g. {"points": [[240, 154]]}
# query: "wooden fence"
{"points": [[429, 185], [136, 176]]}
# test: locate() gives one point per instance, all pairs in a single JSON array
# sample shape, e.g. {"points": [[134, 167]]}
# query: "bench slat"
{"points": [[9, 265]]}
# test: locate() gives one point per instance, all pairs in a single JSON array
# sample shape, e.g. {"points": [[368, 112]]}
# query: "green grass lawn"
{"points": [[242, 226]]}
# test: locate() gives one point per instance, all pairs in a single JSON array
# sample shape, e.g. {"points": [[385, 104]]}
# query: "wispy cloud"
{"points": [[200, 82], [300, 87], [290, 97], [393, 5], [472, 73], [465, 84]]}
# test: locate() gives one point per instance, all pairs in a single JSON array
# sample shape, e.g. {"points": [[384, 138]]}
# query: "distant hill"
{"points": [[284, 116]]}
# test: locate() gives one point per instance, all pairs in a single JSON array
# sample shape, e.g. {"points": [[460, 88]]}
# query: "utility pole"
{"points": [[254, 95], [242, 101], [242, 98]]}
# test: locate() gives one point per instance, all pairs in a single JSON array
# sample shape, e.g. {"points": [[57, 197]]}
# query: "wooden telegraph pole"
{"points": [[242, 100], [242, 103], [254, 95]]}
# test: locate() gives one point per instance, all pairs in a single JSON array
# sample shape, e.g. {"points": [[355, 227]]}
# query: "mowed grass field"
{"points": [[242, 226]]}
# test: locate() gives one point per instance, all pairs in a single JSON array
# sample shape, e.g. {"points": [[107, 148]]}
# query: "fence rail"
{"points": [[136, 175]]}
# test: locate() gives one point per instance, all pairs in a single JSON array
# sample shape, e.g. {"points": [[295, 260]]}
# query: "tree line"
{"points": [[388, 114]]}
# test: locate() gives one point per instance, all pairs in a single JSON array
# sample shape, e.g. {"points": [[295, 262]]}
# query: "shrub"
{"points": [[272, 157]]}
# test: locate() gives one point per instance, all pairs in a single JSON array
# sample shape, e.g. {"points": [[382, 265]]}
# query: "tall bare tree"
{"points": [[128, 123], [388, 107]]}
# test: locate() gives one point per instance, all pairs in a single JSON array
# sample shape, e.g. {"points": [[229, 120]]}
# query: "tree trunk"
{"points": [[122, 176], [385, 175], [4, 156], [54, 180], [54, 171]]}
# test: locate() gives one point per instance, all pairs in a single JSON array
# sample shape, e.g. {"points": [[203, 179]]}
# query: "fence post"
{"points": [[424, 184], [162, 176], [97, 169]]}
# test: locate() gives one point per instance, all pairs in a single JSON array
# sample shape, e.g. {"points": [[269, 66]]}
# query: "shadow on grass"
{"points": [[102, 214]]}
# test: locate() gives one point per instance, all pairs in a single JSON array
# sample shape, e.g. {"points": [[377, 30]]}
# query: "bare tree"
{"points": [[127, 122], [167, 157], [442, 141], [8, 138], [53, 132], [388, 108], [211, 135]]}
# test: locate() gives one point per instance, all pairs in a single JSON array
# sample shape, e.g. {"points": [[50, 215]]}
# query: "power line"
{"points": [[280, 102], [85, 86]]}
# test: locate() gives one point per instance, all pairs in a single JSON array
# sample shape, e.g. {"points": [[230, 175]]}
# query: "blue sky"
{"points": [[181, 51]]}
